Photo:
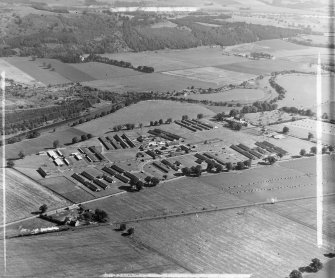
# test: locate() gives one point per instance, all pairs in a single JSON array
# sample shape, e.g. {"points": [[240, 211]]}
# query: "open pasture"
{"points": [[277, 181], [268, 46], [143, 112], [12, 72], [301, 90], [267, 117], [149, 82], [172, 197], [168, 60], [67, 189], [37, 71], [24, 196], [214, 75], [100, 71], [87, 252], [301, 128], [265, 66], [210, 242], [305, 212], [45, 141], [235, 95]]}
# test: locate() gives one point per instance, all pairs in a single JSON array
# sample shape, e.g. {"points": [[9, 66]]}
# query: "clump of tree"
{"points": [[310, 136], [193, 171], [43, 208], [285, 129], [295, 274], [151, 181], [270, 159], [302, 152], [313, 150], [21, 155], [10, 163]]}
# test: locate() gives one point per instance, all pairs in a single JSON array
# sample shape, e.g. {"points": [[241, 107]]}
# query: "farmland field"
{"points": [[86, 252], [301, 90], [233, 241], [301, 128], [168, 60], [143, 112], [36, 70], [24, 196], [212, 74], [66, 188], [177, 196], [265, 66], [148, 82], [238, 95], [104, 71], [16, 74], [45, 141]]}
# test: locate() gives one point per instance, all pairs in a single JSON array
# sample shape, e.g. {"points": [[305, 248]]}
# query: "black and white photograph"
{"points": [[167, 138]]}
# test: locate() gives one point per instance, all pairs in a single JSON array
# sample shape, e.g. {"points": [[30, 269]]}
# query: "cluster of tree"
{"points": [[151, 181], [235, 125], [313, 150], [294, 110], [259, 106], [260, 55], [279, 89], [33, 118], [314, 266], [83, 137], [99, 215], [193, 171]]}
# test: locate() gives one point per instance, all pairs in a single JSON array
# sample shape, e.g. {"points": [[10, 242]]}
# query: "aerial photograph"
{"points": [[167, 138]]}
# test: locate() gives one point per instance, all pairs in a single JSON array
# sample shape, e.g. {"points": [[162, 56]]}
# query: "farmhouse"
{"points": [[58, 162]]}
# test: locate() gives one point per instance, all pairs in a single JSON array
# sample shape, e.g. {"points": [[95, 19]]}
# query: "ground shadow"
{"points": [[329, 255]]}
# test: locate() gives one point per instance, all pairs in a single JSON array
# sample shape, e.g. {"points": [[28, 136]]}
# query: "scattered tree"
{"points": [[229, 166], [219, 168], [310, 136], [160, 121], [200, 116], [331, 148], [316, 265], [313, 150], [148, 179], [89, 135], [75, 140], [21, 154], [10, 163], [295, 274], [55, 144], [271, 160], [122, 227], [285, 129], [154, 181], [324, 150], [184, 117], [302, 152], [83, 137], [100, 216], [43, 208], [240, 165]]}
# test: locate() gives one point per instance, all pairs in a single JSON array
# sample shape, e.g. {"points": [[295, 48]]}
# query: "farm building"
{"points": [[130, 176], [122, 178], [109, 171], [66, 162], [59, 153], [78, 156], [117, 168], [87, 175], [42, 172], [58, 162], [103, 185]]}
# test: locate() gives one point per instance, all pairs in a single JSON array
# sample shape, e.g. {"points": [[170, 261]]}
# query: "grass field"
{"points": [[149, 82], [236, 95], [24, 196], [178, 196], [281, 181], [37, 71], [143, 112], [12, 72], [301, 90], [214, 75], [45, 141], [265, 66], [88, 252], [253, 241], [301, 128], [104, 71]]}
